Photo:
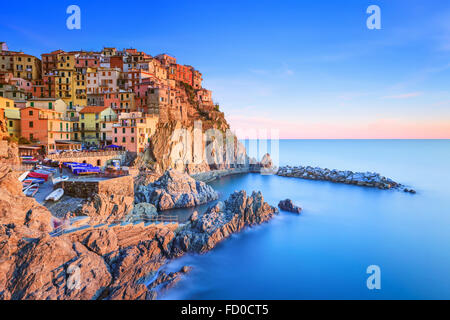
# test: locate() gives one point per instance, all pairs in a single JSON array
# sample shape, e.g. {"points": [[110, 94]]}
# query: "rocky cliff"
{"points": [[194, 140]]}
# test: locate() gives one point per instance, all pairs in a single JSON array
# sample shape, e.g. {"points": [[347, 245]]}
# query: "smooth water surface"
{"points": [[324, 253]]}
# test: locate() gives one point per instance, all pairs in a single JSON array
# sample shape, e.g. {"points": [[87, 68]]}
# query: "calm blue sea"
{"points": [[324, 253]]}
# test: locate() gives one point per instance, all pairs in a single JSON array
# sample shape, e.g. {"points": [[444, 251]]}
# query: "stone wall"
{"points": [[98, 159], [123, 186]]}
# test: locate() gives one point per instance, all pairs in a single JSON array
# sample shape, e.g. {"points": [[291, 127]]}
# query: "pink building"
{"points": [[22, 84], [87, 61], [134, 130], [102, 80]]}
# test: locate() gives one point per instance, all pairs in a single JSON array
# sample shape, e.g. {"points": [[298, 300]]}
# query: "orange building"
{"points": [[46, 127]]}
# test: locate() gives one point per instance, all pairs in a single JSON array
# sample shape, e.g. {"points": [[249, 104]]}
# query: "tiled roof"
{"points": [[93, 109]]}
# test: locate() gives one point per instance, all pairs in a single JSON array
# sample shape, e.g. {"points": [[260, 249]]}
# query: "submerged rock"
{"points": [[176, 190], [288, 205]]}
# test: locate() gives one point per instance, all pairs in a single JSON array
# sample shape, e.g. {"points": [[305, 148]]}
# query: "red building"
{"points": [[50, 61], [49, 85], [38, 89], [180, 73], [116, 62]]}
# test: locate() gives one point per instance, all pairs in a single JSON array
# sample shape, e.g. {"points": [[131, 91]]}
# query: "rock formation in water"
{"points": [[175, 190], [288, 205], [220, 221], [365, 179]]}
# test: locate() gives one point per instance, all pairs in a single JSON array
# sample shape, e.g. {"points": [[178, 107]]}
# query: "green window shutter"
{"points": [[50, 106]]}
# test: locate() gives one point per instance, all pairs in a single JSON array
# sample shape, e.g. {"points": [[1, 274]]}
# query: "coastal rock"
{"points": [[175, 190], [266, 161], [56, 268], [142, 212], [102, 208], [135, 264], [16, 208], [166, 281], [222, 220], [364, 179], [102, 242], [288, 205]]}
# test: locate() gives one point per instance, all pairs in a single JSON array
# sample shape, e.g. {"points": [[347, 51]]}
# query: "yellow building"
{"points": [[79, 94], [91, 123], [12, 117], [70, 83], [26, 66]]}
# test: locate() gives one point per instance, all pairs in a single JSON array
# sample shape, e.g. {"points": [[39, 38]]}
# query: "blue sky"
{"points": [[310, 69]]}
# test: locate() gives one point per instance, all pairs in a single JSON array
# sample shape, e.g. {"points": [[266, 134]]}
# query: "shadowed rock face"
{"points": [[222, 220], [175, 190]]}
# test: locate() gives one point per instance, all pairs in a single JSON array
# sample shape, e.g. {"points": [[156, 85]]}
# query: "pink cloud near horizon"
{"points": [[377, 129]]}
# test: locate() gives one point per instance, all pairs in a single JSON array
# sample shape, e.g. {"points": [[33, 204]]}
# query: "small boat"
{"points": [[55, 195], [60, 179], [31, 190], [27, 185], [34, 180], [38, 175], [86, 170], [49, 173], [23, 176], [49, 169]]}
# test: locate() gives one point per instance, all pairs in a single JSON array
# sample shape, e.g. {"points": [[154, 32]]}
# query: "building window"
{"points": [[31, 124], [11, 124], [124, 140], [115, 130], [82, 116], [30, 113], [50, 106], [115, 139]]}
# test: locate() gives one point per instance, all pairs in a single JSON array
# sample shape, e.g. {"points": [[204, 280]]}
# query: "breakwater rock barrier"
{"points": [[364, 179]]}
